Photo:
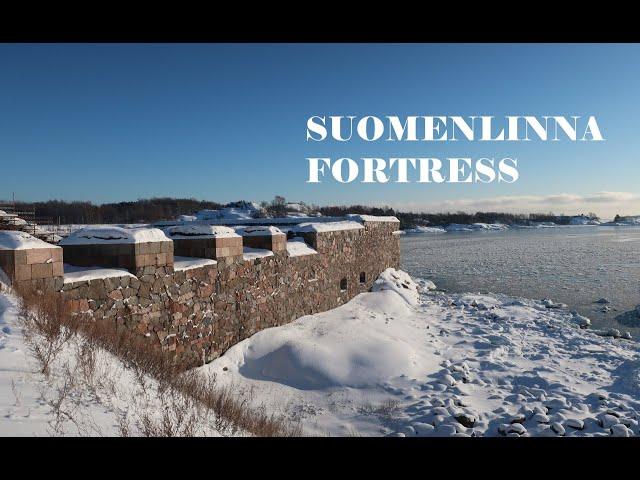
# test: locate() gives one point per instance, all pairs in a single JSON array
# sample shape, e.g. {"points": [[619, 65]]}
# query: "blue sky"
{"points": [[223, 122]]}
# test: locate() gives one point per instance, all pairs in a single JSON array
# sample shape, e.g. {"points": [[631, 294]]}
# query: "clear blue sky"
{"points": [[224, 122]]}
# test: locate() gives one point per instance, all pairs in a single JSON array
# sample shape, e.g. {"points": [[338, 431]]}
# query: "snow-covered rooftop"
{"points": [[111, 234], [371, 218], [200, 231], [14, 220], [15, 240], [242, 211], [258, 231], [326, 226]]}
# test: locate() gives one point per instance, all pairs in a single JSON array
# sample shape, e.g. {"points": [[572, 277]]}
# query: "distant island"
{"points": [[29, 216]]}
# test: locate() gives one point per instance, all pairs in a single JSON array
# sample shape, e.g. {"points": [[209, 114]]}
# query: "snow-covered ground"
{"points": [[403, 359], [242, 211], [472, 227], [398, 362], [485, 227], [424, 229], [583, 220], [624, 221]]}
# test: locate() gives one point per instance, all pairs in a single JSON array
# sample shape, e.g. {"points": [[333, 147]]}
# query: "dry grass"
{"points": [[188, 398], [388, 409]]}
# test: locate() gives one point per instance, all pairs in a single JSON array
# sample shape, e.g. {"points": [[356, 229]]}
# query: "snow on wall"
{"points": [[15, 240], [112, 235], [258, 230], [314, 227], [297, 247], [189, 263], [253, 253], [371, 218], [73, 273], [199, 231]]}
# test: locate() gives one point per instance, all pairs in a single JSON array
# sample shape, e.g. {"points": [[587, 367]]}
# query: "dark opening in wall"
{"points": [[343, 284], [363, 277]]}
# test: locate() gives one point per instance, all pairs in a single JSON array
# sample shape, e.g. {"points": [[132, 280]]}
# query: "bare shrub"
{"points": [[389, 409], [47, 326], [181, 417], [86, 361], [63, 390]]}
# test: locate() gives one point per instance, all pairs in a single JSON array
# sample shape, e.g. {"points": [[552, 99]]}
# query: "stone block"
{"points": [[58, 269], [22, 272], [166, 247], [20, 257], [41, 270], [57, 255], [273, 242], [125, 261], [39, 255]]}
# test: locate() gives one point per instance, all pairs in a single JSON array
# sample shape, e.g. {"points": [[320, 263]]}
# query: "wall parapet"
{"points": [[206, 241], [133, 249], [27, 260], [263, 237]]}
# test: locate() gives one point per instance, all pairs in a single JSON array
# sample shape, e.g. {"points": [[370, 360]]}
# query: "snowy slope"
{"points": [[395, 362], [105, 401]]}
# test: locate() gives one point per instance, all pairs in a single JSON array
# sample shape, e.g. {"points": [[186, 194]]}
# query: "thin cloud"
{"points": [[605, 204]]}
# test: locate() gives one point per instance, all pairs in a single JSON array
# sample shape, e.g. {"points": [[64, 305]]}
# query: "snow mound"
{"points": [[399, 282], [307, 363], [200, 230], [314, 227], [112, 234], [351, 346], [15, 240]]}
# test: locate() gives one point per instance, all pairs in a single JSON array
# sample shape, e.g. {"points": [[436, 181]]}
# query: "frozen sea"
{"points": [[575, 265]]}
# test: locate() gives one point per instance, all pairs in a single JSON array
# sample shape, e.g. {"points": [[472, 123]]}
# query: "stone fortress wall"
{"points": [[196, 291]]}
